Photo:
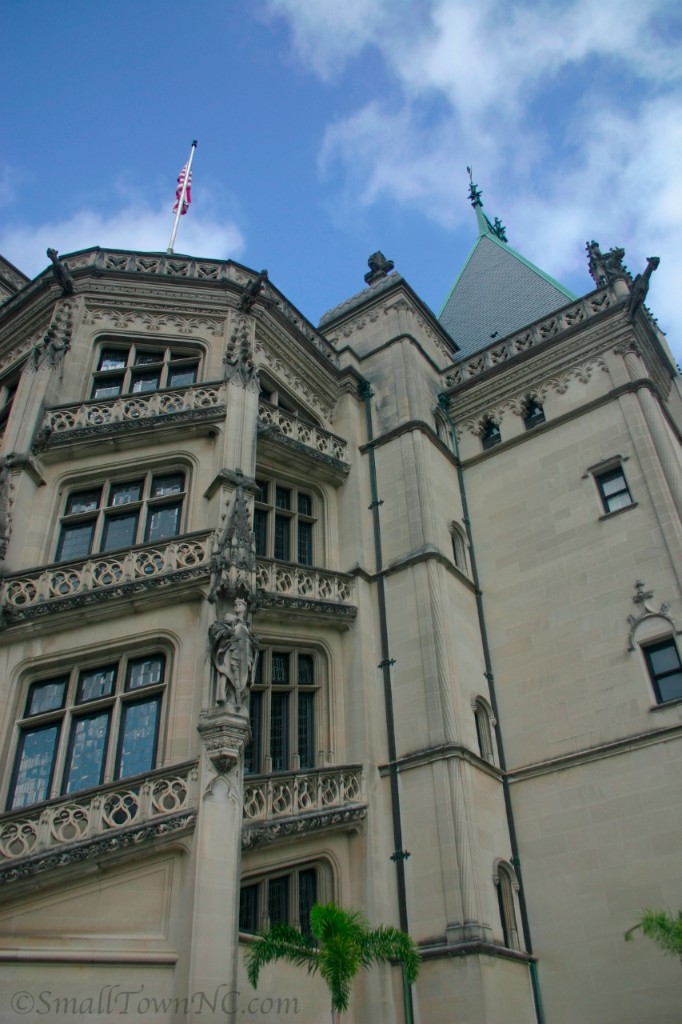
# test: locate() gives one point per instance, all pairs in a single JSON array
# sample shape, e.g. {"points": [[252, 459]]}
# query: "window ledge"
{"points": [[675, 702], [618, 511]]}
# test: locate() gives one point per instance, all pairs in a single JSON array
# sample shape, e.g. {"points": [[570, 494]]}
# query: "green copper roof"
{"points": [[498, 291]]}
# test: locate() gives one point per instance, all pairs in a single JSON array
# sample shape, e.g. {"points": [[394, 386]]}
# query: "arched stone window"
{"points": [[460, 547], [490, 435], [483, 716], [534, 414], [507, 886]]}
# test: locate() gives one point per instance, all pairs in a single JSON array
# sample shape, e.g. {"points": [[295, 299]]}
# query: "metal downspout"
{"points": [[516, 861], [399, 855]]}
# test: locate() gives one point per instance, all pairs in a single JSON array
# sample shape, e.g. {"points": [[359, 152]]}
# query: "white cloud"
{"points": [[136, 227], [568, 113]]}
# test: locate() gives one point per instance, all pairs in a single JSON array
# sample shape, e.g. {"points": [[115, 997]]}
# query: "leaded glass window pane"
{"points": [[83, 501], [305, 505], [87, 749], [278, 900], [182, 378], [279, 731], [145, 672], [75, 541], [34, 766], [280, 668], [172, 483], [306, 674], [144, 382], [145, 358], [260, 530], [307, 897], [283, 538], [252, 756], [248, 908], [137, 743], [96, 682], [119, 531], [306, 729], [47, 696], [283, 497], [112, 359], [305, 543], [163, 522], [107, 389], [122, 494]]}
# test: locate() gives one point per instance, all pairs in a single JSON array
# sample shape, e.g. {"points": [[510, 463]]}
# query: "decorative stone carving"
{"points": [[251, 292], [640, 286], [379, 267], [239, 367], [57, 339], [642, 597], [61, 272], [349, 818], [234, 558], [605, 267], [224, 735], [5, 503], [234, 655]]}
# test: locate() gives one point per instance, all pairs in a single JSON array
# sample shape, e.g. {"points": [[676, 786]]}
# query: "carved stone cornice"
{"points": [[346, 818], [124, 314], [310, 381], [301, 604]]}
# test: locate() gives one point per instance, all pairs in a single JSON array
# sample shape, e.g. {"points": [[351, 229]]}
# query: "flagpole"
{"points": [[181, 200]]}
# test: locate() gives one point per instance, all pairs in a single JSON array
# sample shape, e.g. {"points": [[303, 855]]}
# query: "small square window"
{"points": [[665, 670], [614, 490], [491, 435]]}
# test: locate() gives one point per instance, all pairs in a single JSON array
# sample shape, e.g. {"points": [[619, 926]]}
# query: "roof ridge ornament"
{"points": [[494, 229]]}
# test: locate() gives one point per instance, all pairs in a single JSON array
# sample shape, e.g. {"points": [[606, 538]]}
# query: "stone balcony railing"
{"points": [[280, 805], [536, 334], [286, 583], [75, 828], [66, 423], [307, 434], [71, 584]]}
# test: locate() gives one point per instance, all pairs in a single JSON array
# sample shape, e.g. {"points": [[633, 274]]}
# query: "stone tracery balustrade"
{"points": [[98, 416], [303, 582], [119, 806], [22, 592], [308, 434], [276, 796], [538, 333]]}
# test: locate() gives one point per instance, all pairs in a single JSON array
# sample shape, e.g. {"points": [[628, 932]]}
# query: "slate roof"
{"points": [[497, 292]]}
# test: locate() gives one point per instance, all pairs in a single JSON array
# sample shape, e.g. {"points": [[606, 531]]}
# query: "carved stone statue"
{"points": [[234, 654], [640, 286], [61, 272], [252, 291], [605, 267], [57, 339], [379, 267]]}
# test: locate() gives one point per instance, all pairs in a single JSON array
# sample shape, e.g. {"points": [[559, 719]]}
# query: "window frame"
{"points": [[261, 757], [485, 722], [281, 530], [103, 511], [173, 357], [656, 646], [259, 888], [507, 885], [76, 707], [533, 413], [606, 474]]}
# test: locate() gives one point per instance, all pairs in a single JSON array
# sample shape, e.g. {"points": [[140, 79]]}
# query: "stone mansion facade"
{"points": [[385, 611]]}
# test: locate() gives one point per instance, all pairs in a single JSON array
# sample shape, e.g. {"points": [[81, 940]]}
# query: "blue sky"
{"points": [[328, 130]]}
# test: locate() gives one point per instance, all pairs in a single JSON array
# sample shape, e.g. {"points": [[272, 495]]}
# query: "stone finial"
{"points": [[56, 340], [642, 597], [605, 267], [379, 267], [234, 559], [61, 273]]}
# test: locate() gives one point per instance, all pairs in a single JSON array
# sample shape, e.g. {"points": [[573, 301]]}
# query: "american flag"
{"points": [[188, 191]]}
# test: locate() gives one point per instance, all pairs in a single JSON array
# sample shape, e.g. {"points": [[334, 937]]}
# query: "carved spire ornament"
{"points": [[233, 571], [239, 367], [640, 286], [379, 267], [605, 267], [57, 339]]}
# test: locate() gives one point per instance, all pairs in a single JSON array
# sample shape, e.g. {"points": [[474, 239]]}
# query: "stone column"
{"points": [[212, 986]]}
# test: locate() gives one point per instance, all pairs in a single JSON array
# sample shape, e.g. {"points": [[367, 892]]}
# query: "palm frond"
{"points": [[281, 942], [385, 944], [662, 928]]}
